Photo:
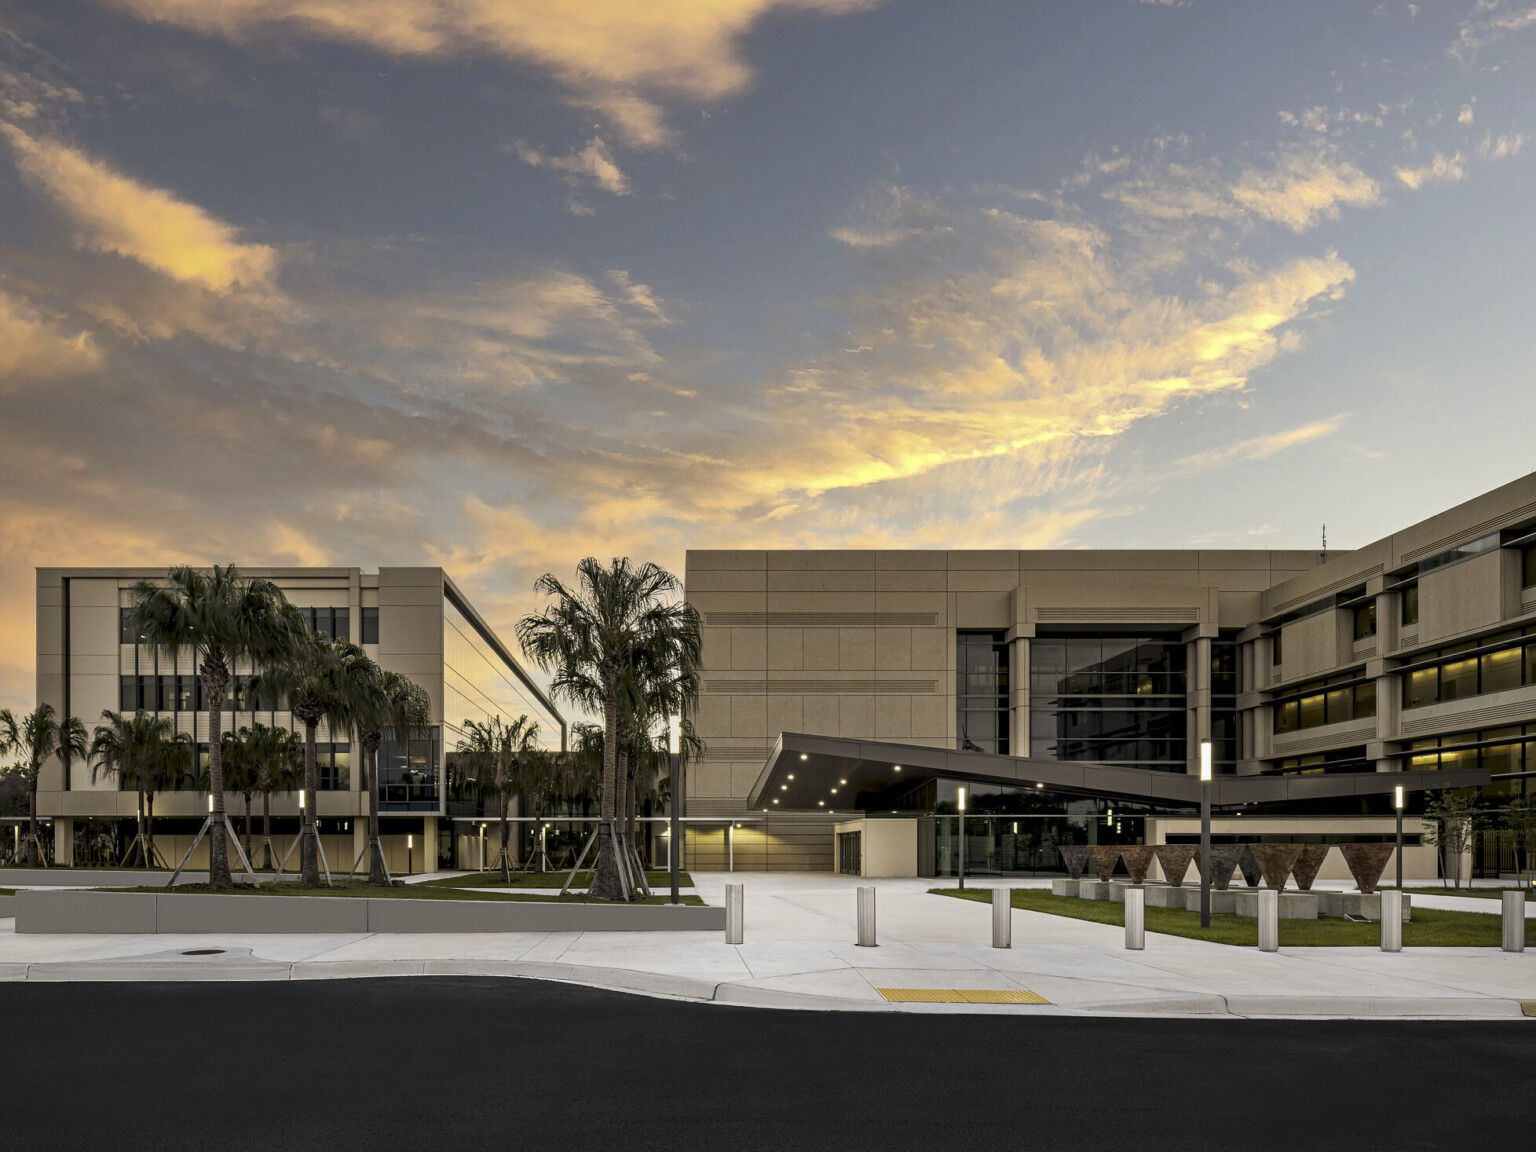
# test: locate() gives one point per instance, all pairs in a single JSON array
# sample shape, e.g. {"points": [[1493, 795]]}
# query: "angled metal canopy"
{"points": [[821, 773]]}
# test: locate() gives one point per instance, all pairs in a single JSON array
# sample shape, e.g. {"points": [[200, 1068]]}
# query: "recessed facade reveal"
{"points": [[410, 620], [849, 695]]}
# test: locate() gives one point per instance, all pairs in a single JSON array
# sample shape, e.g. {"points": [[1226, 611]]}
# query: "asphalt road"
{"points": [[479, 1064]]}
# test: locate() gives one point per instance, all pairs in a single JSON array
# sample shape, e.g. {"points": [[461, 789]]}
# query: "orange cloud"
{"points": [[115, 213]]}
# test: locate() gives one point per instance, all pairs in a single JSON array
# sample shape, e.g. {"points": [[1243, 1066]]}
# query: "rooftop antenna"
{"points": [[1325, 543]]}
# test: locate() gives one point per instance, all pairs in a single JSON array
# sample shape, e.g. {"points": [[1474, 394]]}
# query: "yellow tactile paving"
{"points": [[961, 996]]}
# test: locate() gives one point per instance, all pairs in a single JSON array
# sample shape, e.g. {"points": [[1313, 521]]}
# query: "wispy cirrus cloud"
{"points": [[1442, 169], [115, 213], [592, 165], [34, 347], [623, 59]]}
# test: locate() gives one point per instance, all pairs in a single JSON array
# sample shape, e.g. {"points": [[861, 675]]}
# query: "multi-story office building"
{"points": [[872, 685], [411, 620]]}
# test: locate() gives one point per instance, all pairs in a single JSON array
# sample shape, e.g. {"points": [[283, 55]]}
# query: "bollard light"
{"points": [[1397, 802], [960, 803]]}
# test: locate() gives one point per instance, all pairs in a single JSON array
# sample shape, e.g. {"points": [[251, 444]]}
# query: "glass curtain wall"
{"points": [[1109, 700], [981, 692]]}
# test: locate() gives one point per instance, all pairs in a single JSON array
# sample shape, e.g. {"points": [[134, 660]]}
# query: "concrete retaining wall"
{"points": [[103, 878], [144, 913], [7, 906]]}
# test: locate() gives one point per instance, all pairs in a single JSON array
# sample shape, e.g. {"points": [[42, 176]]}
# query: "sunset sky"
{"points": [[497, 284]]}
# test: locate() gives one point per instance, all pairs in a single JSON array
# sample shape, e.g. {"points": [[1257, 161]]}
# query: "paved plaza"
{"points": [[799, 952]]}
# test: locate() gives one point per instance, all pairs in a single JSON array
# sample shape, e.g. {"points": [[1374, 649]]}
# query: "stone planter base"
{"points": [[143, 913], [1358, 904]]}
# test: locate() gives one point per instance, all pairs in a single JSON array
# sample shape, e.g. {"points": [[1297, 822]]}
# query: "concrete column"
{"points": [[1198, 695], [1514, 921], [735, 913], [1391, 921], [1269, 920], [866, 899], [1018, 680], [1002, 917], [1135, 918], [63, 840], [427, 859]]}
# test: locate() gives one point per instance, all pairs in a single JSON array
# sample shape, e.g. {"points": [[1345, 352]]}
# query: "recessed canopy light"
{"points": [[898, 767], [775, 799], [842, 781], [803, 756], [1039, 785], [821, 803], [783, 787], [834, 791]]}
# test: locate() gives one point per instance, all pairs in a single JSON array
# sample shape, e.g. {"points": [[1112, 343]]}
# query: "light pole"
{"points": [[1397, 801], [674, 755], [960, 799], [1205, 833], [410, 843]]}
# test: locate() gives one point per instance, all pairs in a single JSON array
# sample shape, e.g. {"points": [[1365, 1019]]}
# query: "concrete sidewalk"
{"points": [[799, 953]]}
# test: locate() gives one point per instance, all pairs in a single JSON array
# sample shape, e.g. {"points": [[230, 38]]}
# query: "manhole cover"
{"points": [[204, 952]]}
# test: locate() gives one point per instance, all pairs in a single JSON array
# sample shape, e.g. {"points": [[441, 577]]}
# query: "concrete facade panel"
{"points": [[786, 648], [982, 610], [727, 581], [749, 715], [785, 714], [1461, 598], [799, 580], [921, 580], [829, 559], [916, 560], [821, 647], [822, 713], [709, 560], [856, 716], [893, 649], [749, 649], [893, 717], [932, 649], [855, 649]]}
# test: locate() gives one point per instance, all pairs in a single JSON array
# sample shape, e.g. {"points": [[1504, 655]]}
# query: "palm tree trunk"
{"points": [[149, 827], [247, 825], [34, 849], [377, 873], [505, 798], [309, 862], [266, 829], [606, 884], [143, 847], [218, 849]]}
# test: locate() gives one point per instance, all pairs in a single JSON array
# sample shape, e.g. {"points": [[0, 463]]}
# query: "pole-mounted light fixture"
{"points": [[960, 803], [675, 735], [1205, 833], [1397, 802], [674, 802], [301, 799]]}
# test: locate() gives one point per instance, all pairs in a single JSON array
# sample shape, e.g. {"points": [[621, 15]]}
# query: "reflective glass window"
{"points": [[1313, 711], [1365, 621], [1411, 604], [1458, 680], [1528, 566], [370, 626], [1500, 670], [1365, 699], [1421, 686], [1286, 716]]}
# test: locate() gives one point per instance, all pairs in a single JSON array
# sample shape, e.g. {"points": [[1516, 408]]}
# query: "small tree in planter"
{"points": [[1519, 832], [1450, 819]]}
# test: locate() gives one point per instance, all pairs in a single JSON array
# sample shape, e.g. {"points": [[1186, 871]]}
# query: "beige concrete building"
{"points": [[1318, 679], [411, 620]]}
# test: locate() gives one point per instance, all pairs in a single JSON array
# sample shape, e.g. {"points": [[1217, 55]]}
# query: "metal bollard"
{"points": [[1002, 918], [867, 918], [1514, 921], [1269, 920], [1135, 919], [735, 916], [1391, 921]]}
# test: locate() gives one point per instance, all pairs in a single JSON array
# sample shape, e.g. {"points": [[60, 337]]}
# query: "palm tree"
{"points": [[591, 640], [174, 763], [537, 780], [278, 756], [39, 736], [320, 679], [489, 758], [223, 618], [131, 749], [240, 774], [391, 701]]}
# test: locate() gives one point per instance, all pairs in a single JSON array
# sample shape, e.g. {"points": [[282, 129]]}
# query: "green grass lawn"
{"points": [[1480, 893], [7, 891], [409, 892], [1430, 928], [547, 880]]}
